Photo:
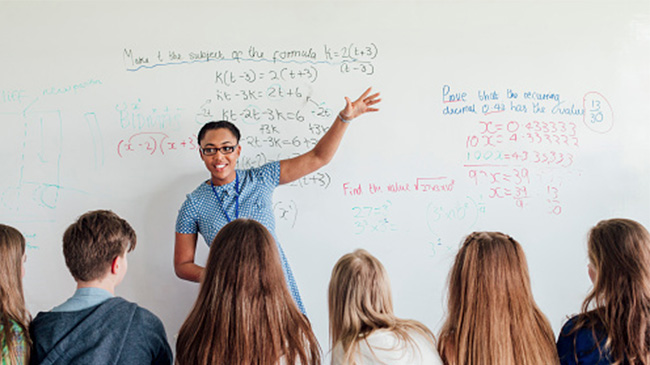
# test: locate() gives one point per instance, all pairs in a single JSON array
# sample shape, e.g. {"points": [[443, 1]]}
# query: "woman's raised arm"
{"points": [[297, 167]]}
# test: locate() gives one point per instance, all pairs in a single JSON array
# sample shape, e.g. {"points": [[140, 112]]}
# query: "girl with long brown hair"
{"points": [[614, 325], [14, 317], [244, 313], [492, 317], [363, 327]]}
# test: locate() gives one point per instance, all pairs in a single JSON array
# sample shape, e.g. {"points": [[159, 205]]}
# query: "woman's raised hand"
{"points": [[360, 106]]}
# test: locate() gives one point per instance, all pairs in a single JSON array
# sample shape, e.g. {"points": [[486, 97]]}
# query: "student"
{"points": [[14, 318], [244, 313], [492, 317], [229, 193], [363, 328], [614, 325], [94, 326]]}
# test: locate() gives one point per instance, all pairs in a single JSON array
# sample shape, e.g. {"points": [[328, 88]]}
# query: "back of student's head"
{"points": [[492, 317], [359, 296], [92, 242], [12, 300], [244, 313], [619, 250], [360, 302]]}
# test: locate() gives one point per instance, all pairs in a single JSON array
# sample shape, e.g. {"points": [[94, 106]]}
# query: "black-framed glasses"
{"points": [[211, 151]]}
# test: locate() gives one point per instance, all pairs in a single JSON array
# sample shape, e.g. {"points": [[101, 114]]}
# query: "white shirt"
{"points": [[384, 347]]}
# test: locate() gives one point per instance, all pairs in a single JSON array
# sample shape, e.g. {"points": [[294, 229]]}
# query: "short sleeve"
{"points": [[187, 220], [269, 174]]}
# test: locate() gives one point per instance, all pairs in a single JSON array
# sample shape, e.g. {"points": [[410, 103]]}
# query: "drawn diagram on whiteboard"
{"points": [[32, 182]]}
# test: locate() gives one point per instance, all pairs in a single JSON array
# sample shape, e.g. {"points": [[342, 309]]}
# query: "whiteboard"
{"points": [[529, 118]]}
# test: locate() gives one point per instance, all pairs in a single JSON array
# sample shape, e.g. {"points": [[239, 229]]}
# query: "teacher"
{"points": [[230, 194]]}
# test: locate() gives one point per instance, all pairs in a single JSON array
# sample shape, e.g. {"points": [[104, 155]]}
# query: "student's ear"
{"points": [[593, 274], [115, 265]]}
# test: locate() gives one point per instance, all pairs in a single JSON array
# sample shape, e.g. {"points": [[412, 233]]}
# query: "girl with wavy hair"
{"points": [[244, 313], [492, 317], [14, 318], [363, 328], [614, 325]]}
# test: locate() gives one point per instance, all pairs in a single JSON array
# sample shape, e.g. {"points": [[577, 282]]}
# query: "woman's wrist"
{"points": [[344, 119]]}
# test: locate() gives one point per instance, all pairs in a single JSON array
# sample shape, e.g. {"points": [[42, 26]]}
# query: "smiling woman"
{"points": [[230, 193]]}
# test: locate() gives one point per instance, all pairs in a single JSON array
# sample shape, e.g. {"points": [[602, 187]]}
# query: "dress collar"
{"points": [[229, 188]]}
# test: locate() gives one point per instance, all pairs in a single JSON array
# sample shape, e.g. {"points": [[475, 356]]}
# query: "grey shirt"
{"points": [[112, 332]]}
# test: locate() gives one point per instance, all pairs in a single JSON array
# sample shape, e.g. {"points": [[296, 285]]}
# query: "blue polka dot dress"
{"points": [[200, 213]]}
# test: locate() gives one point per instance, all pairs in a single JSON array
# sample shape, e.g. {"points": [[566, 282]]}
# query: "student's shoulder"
{"points": [[579, 343], [389, 347], [139, 313], [569, 325], [148, 321], [145, 323], [570, 334], [38, 318], [146, 337], [386, 338], [381, 338], [145, 315], [426, 346], [580, 324], [52, 319]]}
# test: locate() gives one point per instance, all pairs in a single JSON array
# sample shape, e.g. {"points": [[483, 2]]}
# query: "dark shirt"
{"points": [[113, 332], [581, 347]]}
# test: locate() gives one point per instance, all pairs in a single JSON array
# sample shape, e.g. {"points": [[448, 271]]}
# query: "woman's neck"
{"points": [[221, 182]]}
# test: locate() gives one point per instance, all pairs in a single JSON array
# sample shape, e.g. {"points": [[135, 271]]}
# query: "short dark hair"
{"points": [[92, 242], [217, 125]]}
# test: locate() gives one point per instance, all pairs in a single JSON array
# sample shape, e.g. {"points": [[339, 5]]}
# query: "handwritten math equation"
{"points": [[373, 218], [154, 143], [158, 143], [228, 77], [377, 217], [501, 159], [346, 58], [255, 113], [270, 94], [445, 215], [516, 136]]}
